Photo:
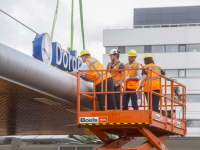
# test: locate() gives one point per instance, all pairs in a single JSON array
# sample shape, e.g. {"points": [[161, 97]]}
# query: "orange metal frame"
{"points": [[128, 124]]}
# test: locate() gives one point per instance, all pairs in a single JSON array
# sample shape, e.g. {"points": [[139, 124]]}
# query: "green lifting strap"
{"points": [[81, 17], [54, 20], [72, 25]]}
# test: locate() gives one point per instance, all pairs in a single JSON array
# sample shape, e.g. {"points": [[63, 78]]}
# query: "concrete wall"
{"points": [[151, 36]]}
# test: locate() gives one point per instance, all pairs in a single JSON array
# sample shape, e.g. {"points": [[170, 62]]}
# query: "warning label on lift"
{"points": [[93, 119], [157, 117]]}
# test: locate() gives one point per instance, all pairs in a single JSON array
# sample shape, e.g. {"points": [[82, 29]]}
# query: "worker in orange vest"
{"points": [[132, 80], [91, 63], [117, 75], [149, 63]]}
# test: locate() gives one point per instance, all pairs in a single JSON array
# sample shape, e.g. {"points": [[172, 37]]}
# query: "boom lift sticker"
{"points": [[157, 117], [93, 119], [178, 124]]}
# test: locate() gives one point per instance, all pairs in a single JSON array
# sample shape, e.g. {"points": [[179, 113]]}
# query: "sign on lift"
{"points": [[93, 119]]}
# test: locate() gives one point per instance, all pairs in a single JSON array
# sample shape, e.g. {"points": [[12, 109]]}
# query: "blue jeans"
{"points": [[126, 98]]}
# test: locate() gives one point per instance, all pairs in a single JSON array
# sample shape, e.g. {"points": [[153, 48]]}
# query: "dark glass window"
{"points": [[193, 48], [122, 49], [193, 97], [167, 10], [193, 9], [171, 73], [153, 11], [141, 23], [147, 26], [193, 123], [179, 10], [193, 73], [140, 11], [153, 17], [171, 48], [153, 22], [182, 48], [180, 21], [181, 73], [167, 21], [193, 16], [147, 49], [167, 17], [193, 21], [180, 16], [141, 18], [157, 49], [138, 26]]}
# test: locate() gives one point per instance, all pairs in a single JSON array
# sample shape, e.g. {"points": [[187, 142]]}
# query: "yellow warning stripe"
{"points": [[115, 123]]}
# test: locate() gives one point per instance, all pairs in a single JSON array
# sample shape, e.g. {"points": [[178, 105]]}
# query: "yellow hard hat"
{"points": [[85, 51], [147, 55], [132, 53]]}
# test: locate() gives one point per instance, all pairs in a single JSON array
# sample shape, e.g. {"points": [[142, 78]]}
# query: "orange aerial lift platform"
{"points": [[129, 124]]}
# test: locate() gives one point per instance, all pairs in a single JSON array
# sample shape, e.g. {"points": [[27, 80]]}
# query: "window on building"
{"points": [[171, 48], [157, 49], [180, 16], [193, 48], [122, 49], [147, 49], [193, 73], [139, 49], [171, 73], [108, 48], [181, 73], [167, 10], [182, 48], [153, 11], [168, 17], [193, 97], [193, 123]]}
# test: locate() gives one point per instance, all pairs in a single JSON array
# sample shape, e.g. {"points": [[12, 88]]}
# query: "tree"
{"points": [[91, 138]]}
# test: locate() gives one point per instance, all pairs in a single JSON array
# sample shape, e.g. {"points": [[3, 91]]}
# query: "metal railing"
{"points": [[168, 83]]}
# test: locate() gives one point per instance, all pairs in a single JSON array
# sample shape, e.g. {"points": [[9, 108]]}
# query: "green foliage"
{"points": [[93, 138]]}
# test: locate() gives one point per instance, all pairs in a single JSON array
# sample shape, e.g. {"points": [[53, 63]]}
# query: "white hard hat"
{"points": [[113, 51]]}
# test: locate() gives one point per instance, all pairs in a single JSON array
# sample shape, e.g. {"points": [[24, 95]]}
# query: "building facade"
{"points": [[171, 36]]}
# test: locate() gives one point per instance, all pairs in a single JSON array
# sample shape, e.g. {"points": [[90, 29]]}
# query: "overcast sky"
{"points": [[97, 14]]}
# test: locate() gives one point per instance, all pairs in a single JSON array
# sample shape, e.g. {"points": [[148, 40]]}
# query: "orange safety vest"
{"points": [[115, 74], [132, 84], [94, 64], [155, 77]]}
